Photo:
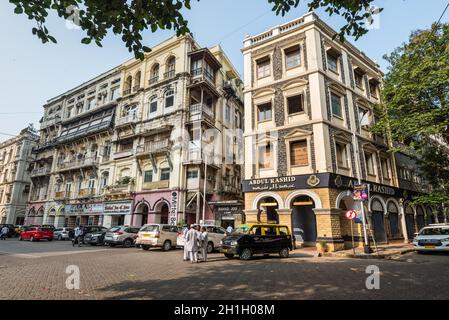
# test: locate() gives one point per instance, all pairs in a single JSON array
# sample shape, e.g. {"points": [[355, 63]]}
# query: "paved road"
{"points": [[37, 271]]}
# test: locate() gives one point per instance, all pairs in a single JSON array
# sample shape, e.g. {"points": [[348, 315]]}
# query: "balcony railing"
{"points": [[169, 74], [126, 92], [153, 80], [126, 120], [40, 172], [156, 185], [123, 154], [136, 88], [63, 194], [198, 110], [153, 147], [203, 72], [78, 163], [87, 192]]}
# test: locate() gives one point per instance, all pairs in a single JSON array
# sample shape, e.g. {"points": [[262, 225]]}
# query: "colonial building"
{"points": [[309, 102], [14, 179], [178, 104], [150, 141]]}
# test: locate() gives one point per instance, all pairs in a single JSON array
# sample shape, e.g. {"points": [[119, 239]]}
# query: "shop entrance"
{"points": [[226, 223], [118, 220], [377, 221], [304, 220], [164, 214], [268, 210]]}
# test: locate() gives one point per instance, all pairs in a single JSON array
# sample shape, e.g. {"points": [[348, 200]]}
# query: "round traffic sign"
{"points": [[351, 214]]}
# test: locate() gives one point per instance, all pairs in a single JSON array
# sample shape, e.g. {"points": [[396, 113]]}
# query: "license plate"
{"points": [[225, 250], [147, 236], [108, 238], [429, 247]]}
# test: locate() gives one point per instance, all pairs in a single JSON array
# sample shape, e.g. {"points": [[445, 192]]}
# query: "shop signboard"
{"points": [[118, 208], [174, 208]]}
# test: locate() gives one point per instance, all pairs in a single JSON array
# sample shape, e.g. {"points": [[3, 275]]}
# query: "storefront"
{"points": [[313, 207], [156, 207], [55, 214], [83, 214], [117, 213], [227, 213]]}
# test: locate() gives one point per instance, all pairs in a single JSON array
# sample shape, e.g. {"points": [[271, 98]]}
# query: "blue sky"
{"points": [[33, 72]]}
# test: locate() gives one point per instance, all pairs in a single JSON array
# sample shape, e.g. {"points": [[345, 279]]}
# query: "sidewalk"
{"points": [[384, 251]]}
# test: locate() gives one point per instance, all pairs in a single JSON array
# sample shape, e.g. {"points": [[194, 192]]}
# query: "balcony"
{"points": [[126, 92], [196, 156], [153, 80], [204, 73], [156, 185], [201, 112], [40, 172], [153, 147], [86, 193], [123, 154], [136, 88], [127, 120], [61, 195], [170, 74], [78, 163]]}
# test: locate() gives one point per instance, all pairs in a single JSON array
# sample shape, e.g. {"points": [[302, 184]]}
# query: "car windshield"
{"points": [[150, 228], [114, 229], [240, 230], [435, 232]]}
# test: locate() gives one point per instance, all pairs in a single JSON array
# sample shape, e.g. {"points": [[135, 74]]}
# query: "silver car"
{"points": [[62, 233], [121, 235]]}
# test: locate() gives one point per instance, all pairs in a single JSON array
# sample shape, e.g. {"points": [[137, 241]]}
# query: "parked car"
{"points": [[432, 238], [95, 238], [250, 239], [121, 235], [49, 226], [36, 234], [86, 230], [215, 235], [62, 233], [12, 230], [158, 235]]}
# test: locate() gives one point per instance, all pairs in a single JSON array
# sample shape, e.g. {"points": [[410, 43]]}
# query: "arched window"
{"points": [[153, 104], [154, 76], [171, 67], [128, 84], [169, 99], [104, 179], [137, 81]]}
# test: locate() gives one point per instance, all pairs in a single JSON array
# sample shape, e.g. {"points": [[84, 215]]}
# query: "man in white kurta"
{"points": [[192, 244], [184, 236]]}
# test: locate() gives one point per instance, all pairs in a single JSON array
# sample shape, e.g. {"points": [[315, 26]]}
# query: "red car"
{"points": [[36, 233]]}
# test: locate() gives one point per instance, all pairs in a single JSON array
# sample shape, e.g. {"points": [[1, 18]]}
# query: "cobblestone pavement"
{"points": [[37, 271]]}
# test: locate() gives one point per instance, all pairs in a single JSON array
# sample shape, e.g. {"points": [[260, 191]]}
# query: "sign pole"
{"points": [[352, 234]]}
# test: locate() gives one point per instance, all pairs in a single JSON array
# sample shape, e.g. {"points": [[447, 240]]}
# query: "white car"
{"points": [[215, 235], [434, 237], [157, 235]]}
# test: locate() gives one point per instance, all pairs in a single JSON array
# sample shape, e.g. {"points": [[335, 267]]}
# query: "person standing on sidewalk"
{"points": [[4, 232], [192, 244], [204, 240], [184, 236]]}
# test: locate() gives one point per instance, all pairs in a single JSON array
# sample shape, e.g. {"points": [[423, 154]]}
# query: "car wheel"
{"points": [[166, 246], [420, 252], [112, 245], [210, 247], [93, 244], [229, 255], [20, 238], [284, 253], [246, 254], [50, 239], [127, 243], [32, 239], [146, 248]]}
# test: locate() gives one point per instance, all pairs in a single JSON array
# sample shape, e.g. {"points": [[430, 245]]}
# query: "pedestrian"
{"points": [[192, 244], [4, 232], [184, 236], [78, 234], [204, 240], [229, 229]]}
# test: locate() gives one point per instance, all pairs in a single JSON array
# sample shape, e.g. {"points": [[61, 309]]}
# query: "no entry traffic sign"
{"points": [[351, 214]]}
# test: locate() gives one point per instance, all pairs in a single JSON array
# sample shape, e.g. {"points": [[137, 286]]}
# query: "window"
{"points": [[265, 156], [369, 159], [104, 180], [227, 113], [336, 105], [295, 104], [373, 88], [169, 98], [264, 112], [148, 176], [196, 67], [332, 62], [155, 72], [91, 184], [192, 174], [153, 104], [358, 77], [299, 153], [364, 119], [90, 103], [115, 93], [292, 57], [263, 68], [342, 155], [165, 174], [385, 168]]}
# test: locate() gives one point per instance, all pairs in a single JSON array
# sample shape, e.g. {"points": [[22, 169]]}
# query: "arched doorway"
{"points": [[160, 213], [268, 210], [304, 220], [430, 218], [420, 218], [40, 217], [440, 215], [164, 214], [377, 221], [393, 221], [410, 222], [51, 216]]}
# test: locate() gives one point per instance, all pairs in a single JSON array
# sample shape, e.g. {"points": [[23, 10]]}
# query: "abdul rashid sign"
{"points": [[319, 180]]}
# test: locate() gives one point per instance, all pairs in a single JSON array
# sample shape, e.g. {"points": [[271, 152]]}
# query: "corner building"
{"points": [[309, 102]]}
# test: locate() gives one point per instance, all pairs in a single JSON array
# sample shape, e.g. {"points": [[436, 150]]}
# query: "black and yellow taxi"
{"points": [[258, 238]]}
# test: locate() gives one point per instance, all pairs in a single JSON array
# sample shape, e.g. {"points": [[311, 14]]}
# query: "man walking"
{"points": [[192, 244], [4, 232], [78, 233]]}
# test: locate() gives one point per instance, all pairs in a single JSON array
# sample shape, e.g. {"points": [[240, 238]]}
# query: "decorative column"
{"points": [[329, 228], [251, 215], [285, 217], [403, 222]]}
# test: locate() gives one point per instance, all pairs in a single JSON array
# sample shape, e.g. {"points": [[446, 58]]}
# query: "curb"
{"points": [[370, 256]]}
